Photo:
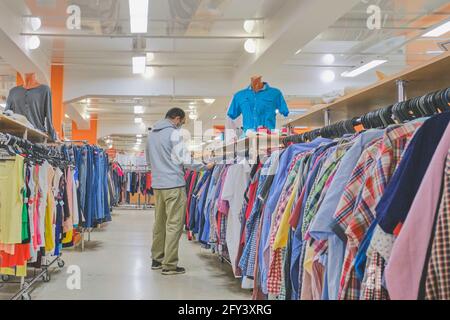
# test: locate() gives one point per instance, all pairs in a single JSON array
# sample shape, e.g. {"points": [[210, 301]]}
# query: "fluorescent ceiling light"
{"points": [[139, 141], [356, 72], [139, 136], [138, 16], [139, 65], [438, 31], [435, 51], [215, 117], [298, 51], [138, 109], [66, 115], [137, 120], [209, 101]]}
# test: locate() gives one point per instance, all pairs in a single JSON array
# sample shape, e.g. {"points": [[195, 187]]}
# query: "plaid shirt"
{"points": [[437, 282], [394, 142], [274, 277]]}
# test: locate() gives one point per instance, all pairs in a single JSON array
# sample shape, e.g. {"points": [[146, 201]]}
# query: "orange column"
{"points": [[57, 86], [90, 135]]}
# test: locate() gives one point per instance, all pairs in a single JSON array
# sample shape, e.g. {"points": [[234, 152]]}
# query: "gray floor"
{"points": [[116, 265]]}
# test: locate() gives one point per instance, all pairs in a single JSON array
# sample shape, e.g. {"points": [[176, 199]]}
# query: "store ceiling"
{"points": [[198, 51]]}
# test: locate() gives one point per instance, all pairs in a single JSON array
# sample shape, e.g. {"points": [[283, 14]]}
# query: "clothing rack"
{"points": [[36, 153], [400, 112]]}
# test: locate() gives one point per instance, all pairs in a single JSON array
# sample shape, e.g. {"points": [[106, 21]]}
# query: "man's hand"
{"points": [[210, 165]]}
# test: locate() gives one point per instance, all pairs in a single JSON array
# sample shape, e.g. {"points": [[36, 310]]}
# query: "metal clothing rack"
{"points": [[137, 169], [15, 143]]}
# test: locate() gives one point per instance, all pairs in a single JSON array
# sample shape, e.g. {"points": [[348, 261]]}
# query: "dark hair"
{"points": [[175, 112]]}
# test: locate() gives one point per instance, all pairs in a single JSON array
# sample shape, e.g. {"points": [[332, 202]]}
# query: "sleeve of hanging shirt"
{"points": [[234, 110], [282, 105], [48, 115]]}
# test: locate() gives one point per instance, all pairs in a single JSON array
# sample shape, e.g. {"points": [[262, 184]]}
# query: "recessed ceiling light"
{"points": [[298, 51], [209, 101], [137, 120], [139, 65], [138, 16], [215, 117], [327, 76], [35, 23], [438, 31], [250, 45], [34, 42], [67, 116], [150, 56], [138, 109], [328, 59], [356, 72], [249, 26], [149, 72], [139, 136]]}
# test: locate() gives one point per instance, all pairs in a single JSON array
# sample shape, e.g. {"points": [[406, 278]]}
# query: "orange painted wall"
{"points": [[57, 86], [90, 135]]}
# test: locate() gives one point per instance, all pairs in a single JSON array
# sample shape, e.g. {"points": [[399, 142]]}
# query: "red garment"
{"points": [[148, 181], [20, 257]]}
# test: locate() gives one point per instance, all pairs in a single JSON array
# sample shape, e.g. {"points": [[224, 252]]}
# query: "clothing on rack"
{"points": [[358, 215]]}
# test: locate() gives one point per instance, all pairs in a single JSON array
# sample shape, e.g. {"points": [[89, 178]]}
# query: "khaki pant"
{"points": [[170, 211]]}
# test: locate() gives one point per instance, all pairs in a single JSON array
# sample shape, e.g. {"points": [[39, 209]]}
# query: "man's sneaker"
{"points": [[178, 270], [156, 265]]}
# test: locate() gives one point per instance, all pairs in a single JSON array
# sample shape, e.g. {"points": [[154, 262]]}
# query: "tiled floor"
{"points": [[116, 265]]}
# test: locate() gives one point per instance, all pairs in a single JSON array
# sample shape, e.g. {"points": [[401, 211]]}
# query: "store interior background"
{"points": [[197, 57], [195, 51]]}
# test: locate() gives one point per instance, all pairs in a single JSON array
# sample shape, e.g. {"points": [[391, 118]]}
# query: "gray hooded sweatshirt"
{"points": [[168, 156]]}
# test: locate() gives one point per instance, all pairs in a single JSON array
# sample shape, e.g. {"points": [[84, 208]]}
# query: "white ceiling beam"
{"points": [[13, 47], [296, 24]]}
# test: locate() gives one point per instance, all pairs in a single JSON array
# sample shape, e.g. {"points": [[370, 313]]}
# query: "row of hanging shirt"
{"points": [[359, 217]]}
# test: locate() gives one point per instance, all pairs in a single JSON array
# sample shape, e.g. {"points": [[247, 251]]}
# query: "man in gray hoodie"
{"points": [[168, 156]]}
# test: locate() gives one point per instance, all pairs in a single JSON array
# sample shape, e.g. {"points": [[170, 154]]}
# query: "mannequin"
{"points": [[30, 81], [257, 83]]}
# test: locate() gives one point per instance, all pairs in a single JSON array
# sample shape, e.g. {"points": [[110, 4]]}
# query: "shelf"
{"points": [[422, 79], [16, 128]]}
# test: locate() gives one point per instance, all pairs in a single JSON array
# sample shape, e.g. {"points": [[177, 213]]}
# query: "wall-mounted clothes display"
{"points": [[336, 218], [35, 104]]}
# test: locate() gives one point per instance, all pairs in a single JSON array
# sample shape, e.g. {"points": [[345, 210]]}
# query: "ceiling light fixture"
{"points": [[438, 31], [250, 45], [150, 56], [139, 136], [149, 72], [209, 101], [35, 23], [138, 109], [139, 141], [193, 116], [327, 76], [87, 116], [328, 59], [356, 72], [33, 42], [137, 120], [139, 65], [215, 117], [298, 51], [138, 16], [249, 26], [67, 116]]}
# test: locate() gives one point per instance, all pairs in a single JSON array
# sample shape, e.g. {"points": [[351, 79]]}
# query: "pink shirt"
{"points": [[405, 266]]}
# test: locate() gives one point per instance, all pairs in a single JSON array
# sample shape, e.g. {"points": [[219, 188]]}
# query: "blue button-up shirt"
{"points": [[258, 108]]}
